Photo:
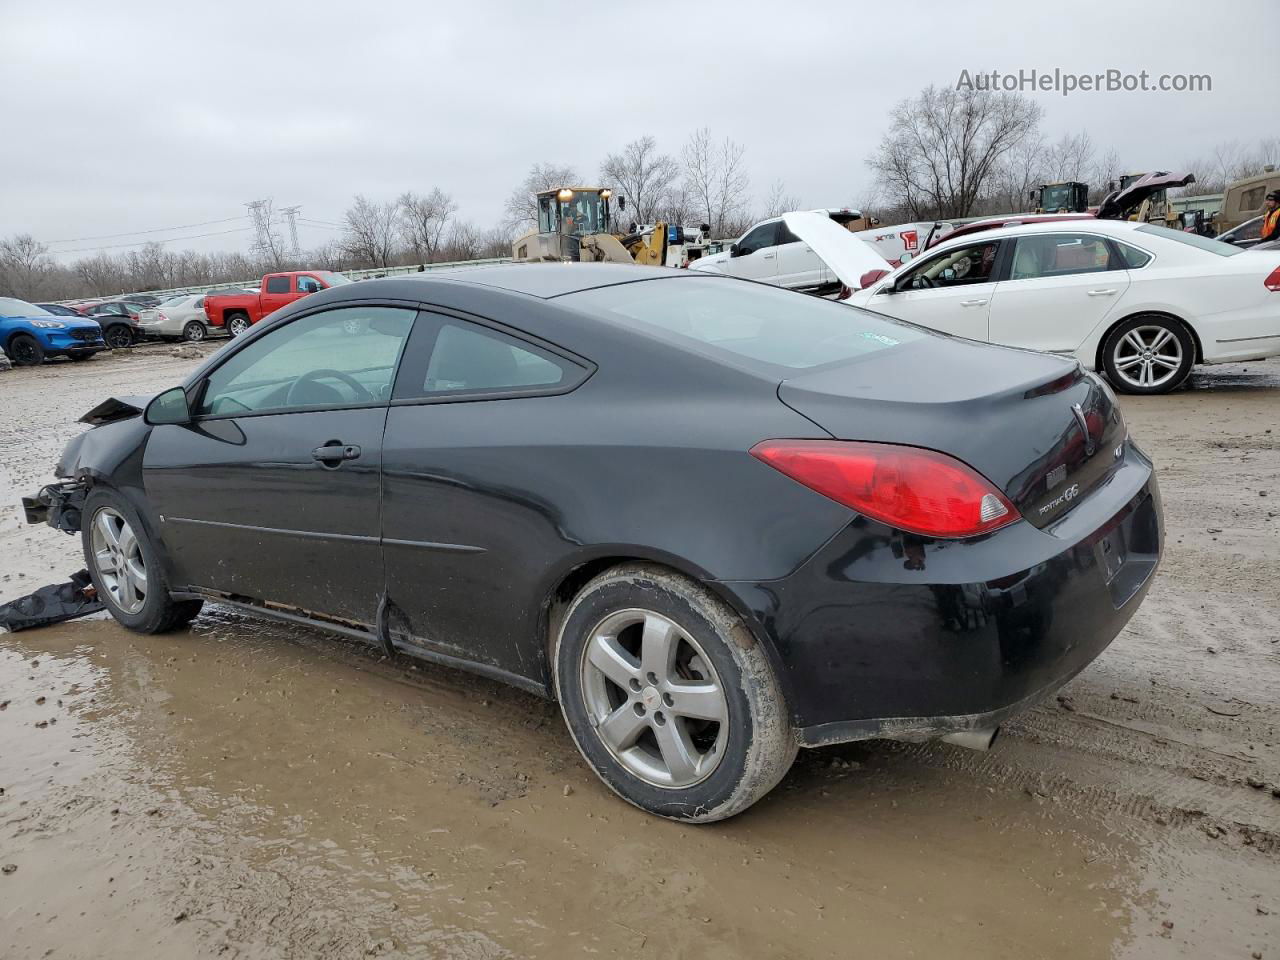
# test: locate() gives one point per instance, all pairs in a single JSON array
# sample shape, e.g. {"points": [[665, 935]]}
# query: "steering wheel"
{"points": [[923, 281], [362, 395]]}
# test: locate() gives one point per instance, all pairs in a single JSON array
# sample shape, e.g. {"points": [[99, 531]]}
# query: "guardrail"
{"points": [[349, 274]]}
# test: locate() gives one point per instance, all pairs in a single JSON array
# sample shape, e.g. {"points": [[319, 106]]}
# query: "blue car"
{"points": [[29, 333]]}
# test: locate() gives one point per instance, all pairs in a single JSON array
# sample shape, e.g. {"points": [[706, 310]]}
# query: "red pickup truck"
{"points": [[239, 311]]}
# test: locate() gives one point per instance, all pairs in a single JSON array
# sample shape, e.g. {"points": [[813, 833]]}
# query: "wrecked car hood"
{"points": [[1119, 203], [115, 408], [847, 256]]}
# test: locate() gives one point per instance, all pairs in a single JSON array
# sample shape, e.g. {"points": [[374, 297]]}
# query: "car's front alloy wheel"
{"points": [[118, 558], [25, 351], [125, 566], [669, 697]]}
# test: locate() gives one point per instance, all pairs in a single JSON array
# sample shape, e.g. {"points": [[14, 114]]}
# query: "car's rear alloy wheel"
{"points": [[654, 699], [118, 336], [126, 568], [193, 332], [25, 350], [669, 696], [237, 324], [1148, 355]]}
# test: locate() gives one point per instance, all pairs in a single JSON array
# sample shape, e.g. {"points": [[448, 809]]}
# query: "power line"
{"points": [[136, 233], [321, 225], [140, 243], [327, 223]]}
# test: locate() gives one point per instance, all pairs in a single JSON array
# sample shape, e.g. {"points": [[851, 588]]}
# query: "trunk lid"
{"points": [[1017, 417]]}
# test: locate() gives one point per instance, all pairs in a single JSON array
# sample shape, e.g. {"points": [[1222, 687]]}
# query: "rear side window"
{"points": [[277, 284], [470, 359], [1132, 257], [765, 235], [746, 320]]}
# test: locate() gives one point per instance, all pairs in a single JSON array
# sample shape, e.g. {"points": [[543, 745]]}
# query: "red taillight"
{"points": [[1272, 282], [920, 491]]}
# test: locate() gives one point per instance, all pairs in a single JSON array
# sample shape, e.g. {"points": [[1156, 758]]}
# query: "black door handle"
{"points": [[334, 452]]}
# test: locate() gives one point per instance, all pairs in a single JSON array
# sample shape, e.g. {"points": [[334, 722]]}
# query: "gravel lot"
{"points": [[254, 790]]}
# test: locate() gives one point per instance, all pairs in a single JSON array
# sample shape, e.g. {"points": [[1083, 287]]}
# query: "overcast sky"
{"points": [[129, 115]]}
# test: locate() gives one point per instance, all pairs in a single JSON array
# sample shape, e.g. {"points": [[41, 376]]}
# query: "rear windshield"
{"points": [[332, 279], [749, 320], [1191, 240]]}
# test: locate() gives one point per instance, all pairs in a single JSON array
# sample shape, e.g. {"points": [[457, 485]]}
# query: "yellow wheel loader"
{"points": [[576, 224]]}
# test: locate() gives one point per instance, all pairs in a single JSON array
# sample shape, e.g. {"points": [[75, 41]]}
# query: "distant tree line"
{"points": [[948, 153]]}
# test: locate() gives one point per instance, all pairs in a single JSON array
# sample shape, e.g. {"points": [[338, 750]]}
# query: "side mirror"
{"points": [[168, 407], [907, 257], [734, 251]]}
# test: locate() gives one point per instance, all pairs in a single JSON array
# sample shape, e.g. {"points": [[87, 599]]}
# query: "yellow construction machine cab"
{"points": [[575, 211], [576, 224]]}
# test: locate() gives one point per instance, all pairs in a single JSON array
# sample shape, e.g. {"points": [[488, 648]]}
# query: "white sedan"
{"points": [[180, 317], [1138, 301]]}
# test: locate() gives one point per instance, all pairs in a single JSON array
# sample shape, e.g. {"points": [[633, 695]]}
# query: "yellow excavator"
{"points": [[576, 224]]}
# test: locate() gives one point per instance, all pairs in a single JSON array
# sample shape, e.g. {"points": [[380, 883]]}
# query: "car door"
{"points": [[276, 293], [799, 268], [473, 409], [951, 290], [755, 256], [272, 491], [1059, 287]]}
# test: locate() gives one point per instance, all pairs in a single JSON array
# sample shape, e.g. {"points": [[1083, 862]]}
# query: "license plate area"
{"points": [[1111, 554]]}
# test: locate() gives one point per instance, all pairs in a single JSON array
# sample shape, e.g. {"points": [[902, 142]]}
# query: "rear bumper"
{"points": [[884, 634]]}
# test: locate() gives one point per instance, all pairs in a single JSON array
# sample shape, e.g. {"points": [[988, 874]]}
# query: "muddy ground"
{"points": [[245, 789]]}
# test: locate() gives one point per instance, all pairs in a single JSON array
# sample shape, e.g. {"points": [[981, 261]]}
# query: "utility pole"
{"points": [[259, 212], [290, 215]]}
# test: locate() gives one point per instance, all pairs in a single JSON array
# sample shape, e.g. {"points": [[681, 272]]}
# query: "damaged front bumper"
{"points": [[60, 505]]}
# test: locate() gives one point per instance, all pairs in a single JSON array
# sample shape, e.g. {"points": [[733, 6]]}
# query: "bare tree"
{"points": [[370, 233], [1106, 171], [1020, 171], [1069, 157], [642, 175], [464, 242], [522, 207], [423, 218], [678, 206], [945, 145], [716, 178], [779, 201], [25, 265]]}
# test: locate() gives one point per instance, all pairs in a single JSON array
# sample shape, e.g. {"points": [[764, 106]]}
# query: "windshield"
{"points": [[749, 320], [331, 279], [13, 307], [1057, 197], [1191, 240]]}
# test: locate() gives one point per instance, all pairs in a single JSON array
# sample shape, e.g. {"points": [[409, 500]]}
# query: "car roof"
{"points": [[543, 280], [1087, 224]]}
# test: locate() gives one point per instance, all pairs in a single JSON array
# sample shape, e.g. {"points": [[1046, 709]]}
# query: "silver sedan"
{"points": [[181, 317]]}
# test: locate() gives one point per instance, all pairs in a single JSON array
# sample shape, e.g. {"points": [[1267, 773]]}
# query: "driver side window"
{"points": [[337, 358], [974, 263], [765, 235]]}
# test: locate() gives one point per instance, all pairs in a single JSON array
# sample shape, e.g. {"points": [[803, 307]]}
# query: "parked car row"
{"points": [[29, 334]]}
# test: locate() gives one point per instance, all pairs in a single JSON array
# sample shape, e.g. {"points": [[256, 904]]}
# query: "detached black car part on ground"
{"points": [[716, 520]]}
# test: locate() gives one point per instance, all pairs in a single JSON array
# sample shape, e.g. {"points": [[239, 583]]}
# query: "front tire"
{"points": [[1148, 354], [669, 697], [125, 566], [25, 351], [194, 332]]}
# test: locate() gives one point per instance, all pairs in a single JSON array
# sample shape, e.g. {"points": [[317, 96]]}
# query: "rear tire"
{"points": [[118, 336], [194, 332], [237, 323], [691, 724], [25, 350], [125, 566], [1148, 354]]}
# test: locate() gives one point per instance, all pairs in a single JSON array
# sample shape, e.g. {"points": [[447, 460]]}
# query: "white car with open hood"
{"points": [[1140, 302]]}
